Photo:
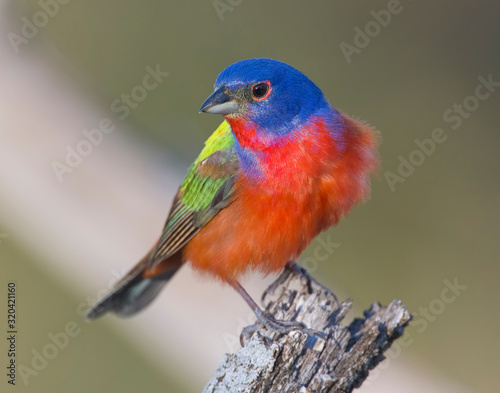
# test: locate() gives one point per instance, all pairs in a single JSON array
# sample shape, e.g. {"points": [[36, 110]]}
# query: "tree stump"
{"points": [[298, 363]]}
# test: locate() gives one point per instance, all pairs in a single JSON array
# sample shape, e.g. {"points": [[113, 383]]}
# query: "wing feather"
{"points": [[207, 188]]}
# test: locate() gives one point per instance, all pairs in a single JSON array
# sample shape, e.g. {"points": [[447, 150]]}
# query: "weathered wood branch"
{"points": [[296, 362]]}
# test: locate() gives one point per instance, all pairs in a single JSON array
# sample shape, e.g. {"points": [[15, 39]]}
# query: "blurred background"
{"points": [[69, 226]]}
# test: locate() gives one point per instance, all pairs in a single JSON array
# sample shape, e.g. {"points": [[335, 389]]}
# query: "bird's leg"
{"points": [[267, 319], [291, 264]]}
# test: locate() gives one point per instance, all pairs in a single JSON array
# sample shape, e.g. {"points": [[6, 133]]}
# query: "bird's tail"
{"points": [[137, 289]]}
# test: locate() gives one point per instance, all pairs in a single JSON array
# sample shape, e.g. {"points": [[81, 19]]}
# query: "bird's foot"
{"points": [[268, 321], [274, 325]]}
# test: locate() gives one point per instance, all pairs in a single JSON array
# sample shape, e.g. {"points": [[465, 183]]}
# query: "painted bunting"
{"points": [[283, 166]]}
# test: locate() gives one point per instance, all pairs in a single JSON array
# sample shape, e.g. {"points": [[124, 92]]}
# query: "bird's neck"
{"points": [[249, 136], [284, 159]]}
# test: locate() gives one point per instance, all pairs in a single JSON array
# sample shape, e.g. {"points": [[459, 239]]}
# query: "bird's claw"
{"points": [[274, 325]]}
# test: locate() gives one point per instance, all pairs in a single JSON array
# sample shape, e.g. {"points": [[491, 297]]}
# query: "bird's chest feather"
{"points": [[278, 209], [284, 205]]}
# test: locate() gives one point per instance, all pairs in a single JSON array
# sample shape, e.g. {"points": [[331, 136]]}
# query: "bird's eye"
{"points": [[261, 91]]}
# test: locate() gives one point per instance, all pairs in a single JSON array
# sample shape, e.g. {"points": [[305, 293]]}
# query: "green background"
{"points": [[440, 223]]}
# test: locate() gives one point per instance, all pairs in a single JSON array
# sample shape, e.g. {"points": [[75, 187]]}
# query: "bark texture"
{"points": [[296, 362]]}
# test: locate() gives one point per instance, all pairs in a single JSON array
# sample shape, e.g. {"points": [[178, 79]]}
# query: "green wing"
{"points": [[206, 189]]}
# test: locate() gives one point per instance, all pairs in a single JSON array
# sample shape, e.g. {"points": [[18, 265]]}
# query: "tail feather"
{"points": [[136, 290]]}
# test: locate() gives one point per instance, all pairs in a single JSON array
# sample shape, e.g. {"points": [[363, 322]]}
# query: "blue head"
{"points": [[273, 95]]}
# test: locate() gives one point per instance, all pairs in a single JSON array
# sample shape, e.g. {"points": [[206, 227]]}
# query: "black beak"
{"points": [[219, 103]]}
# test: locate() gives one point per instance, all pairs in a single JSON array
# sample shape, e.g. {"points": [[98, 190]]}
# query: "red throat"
{"points": [[290, 161], [246, 133]]}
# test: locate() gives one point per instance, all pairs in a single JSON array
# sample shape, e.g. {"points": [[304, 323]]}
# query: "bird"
{"points": [[283, 166]]}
